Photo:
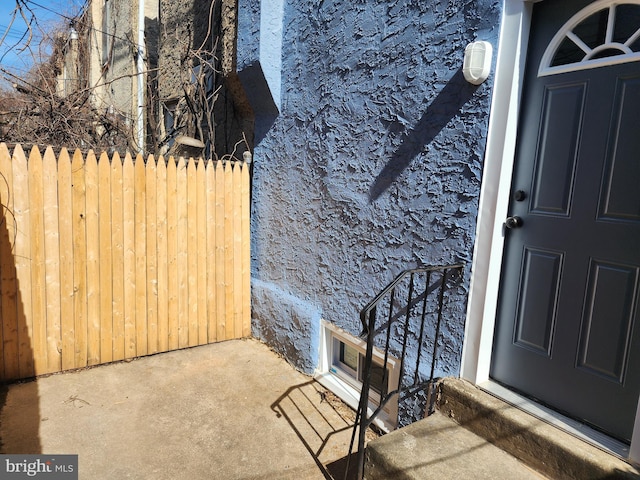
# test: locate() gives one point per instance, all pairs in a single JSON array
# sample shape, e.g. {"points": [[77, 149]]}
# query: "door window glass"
{"points": [[601, 34]]}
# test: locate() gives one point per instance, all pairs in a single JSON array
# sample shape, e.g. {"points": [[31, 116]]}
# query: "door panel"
{"points": [[621, 200], [562, 112], [607, 320], [537, 300], [568, 327]]}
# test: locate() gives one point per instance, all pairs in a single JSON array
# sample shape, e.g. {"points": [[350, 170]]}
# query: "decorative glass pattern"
{"points": [[603, 33]]}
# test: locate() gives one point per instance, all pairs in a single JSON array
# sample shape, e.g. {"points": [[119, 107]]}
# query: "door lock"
{"points": [[513, 222], [519, 195]]}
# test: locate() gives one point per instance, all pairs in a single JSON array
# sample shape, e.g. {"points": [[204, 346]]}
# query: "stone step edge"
{"points": [[439, 448], [543, 447]]}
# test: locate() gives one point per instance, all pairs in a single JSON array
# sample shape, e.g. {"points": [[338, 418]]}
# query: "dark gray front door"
{"points": [[568, 327]]}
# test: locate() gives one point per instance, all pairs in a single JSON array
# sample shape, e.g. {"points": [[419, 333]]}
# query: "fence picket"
{"points": [[106, 259], [22, 254], [201, 249], [173, 308], [182, 260], [229, 313], [129, 264], [103, 260], [245, 256], [8, 281], [211, 251], [236, 241], [78, 223], [140, 215], [92, 225], [38, 281], [221, 253], [117, 258], [192, 253], [151, 254], [162, 249], [52, 265], [65, 216]]}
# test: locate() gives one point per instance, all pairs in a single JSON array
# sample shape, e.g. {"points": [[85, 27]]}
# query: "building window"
{"points": [[341, 370]]}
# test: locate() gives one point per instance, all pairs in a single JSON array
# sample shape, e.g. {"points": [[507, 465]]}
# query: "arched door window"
{"points": [[603, 33]]}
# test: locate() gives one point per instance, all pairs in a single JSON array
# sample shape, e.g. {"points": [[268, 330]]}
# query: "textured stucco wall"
{"points": [[184, 29], [192, 31], [372, 164]]}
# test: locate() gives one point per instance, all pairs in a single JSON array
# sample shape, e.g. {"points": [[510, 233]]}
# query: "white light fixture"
{"points": [[477, 62]]}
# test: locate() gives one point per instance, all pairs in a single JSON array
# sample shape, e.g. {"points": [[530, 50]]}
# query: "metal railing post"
{"points": [[368, 320]]}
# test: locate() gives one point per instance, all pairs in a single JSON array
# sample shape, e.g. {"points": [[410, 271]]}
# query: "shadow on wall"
{"points": [[441, 110], [19, 432], [258, 94]]}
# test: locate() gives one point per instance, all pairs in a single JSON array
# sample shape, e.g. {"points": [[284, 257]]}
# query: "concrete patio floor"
{"points": [[231, 410]]}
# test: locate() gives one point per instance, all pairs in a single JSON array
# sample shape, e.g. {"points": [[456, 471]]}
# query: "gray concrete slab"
{"points": [[438, 448], [232, 410], [472, 434], [544, 447]]}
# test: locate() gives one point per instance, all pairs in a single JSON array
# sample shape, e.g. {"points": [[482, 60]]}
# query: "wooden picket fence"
{"points": [[104, 259]]}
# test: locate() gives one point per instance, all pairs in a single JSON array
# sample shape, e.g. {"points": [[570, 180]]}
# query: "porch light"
{"points": [[477, 62]]}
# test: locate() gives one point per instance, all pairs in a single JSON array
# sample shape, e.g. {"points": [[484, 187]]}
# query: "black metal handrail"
{"points": [[435, 282]]}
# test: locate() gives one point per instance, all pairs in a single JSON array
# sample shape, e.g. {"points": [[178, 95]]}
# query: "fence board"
{"points": [[173, 308], [192, 250], [140, 216], [211, 252], [201, 261], [22, 251], [65, 216], [228, 249], [38, 281], [117, 258], [151, 254], [236, 241], [52, 265], [182, 257], [78, 224], [106, 259], [92, 225], [129, 264], [220, 253], [103, 260], [245, 256], [162, 252], [8, 280]]}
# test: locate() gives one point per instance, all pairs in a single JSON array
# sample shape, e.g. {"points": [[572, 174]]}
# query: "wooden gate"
{"points": [[108, 259]]}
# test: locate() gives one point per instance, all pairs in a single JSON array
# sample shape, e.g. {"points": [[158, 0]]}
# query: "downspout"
{"points": [[140, 76]]}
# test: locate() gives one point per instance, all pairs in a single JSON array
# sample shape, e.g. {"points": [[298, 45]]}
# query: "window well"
{"points": [[341, 370]]}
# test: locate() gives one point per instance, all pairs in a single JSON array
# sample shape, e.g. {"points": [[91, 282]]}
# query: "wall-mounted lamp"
{"points": [[477, 62]]}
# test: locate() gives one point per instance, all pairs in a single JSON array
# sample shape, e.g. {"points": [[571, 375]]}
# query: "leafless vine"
{"points": [[41, 110]]}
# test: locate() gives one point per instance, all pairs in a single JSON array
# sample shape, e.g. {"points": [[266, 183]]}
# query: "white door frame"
{"points": [[494, 198]]}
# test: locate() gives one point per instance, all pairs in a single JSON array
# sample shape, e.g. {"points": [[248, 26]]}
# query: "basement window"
{"points": [[341, 370]]}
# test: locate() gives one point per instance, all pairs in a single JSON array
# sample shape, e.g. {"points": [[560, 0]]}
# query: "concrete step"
{"points": [[543, 447], [439, 448], [475, 435]]}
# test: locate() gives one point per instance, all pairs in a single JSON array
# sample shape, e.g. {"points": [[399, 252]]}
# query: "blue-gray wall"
{"points": [[367, 162]]}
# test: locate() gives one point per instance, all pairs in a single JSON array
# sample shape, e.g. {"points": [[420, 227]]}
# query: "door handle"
{"points": [[513, 222]]}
